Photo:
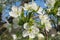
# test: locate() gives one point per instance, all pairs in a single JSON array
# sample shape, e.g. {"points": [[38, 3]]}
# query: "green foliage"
{"points": [[30, 14], [53, 11], [22, 21], [1, 9], [57, 4]]}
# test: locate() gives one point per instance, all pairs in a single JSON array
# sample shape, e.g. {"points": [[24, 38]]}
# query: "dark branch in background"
{"points": [[10, 20], [2, 30], [25, 1]]}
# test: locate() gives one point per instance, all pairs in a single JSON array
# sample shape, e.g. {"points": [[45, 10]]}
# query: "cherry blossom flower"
{"points": [[30, 31], [30, 6], [48, 26], [50, 3], [16, 11], [45, 20]]}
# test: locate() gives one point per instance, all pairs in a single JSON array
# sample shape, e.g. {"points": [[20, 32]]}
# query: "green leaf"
{"points": [[53, 11], [30, 14], [57, 4], [22, 21], [0, 8]]}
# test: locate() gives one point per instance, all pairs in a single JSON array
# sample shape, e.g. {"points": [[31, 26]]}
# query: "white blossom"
{"points": [[58, 13], [48, 26], [16, 11], [45, 20], [40, 36], [52, 35], [58, 33], [30, 31], [30, 6], [14, 36], [50, 3]]}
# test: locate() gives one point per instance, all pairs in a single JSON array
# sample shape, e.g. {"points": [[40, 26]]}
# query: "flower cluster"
{"points": [[30, 31], [31, 6], [45, 21], [28, 24]]}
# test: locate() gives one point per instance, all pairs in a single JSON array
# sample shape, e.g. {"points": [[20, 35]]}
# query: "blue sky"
{"points": [[39, 2]]}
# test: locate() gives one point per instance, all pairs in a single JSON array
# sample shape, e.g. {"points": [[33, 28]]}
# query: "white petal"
{"points": [[14, 8], [35, 30], [52, 35], [20, 10], [26, 6], [42, 22], [25, 33], [31, 35], [13, 14], [34, 6], [26, 26], [50, 3], [58, 13], [30, 6], [48, 26], [14, 36], [40, 36]]}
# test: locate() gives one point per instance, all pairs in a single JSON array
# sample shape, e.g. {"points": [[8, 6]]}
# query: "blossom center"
{"points": [[30, 30]]}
